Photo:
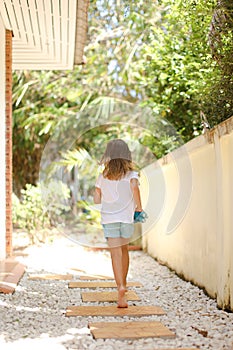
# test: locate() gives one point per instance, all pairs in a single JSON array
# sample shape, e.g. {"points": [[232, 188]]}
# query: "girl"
{"points": [[118, 192]]}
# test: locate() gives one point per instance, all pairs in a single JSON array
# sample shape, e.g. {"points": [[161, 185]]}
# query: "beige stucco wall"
{"points": [[2, 144], [195, 183]]}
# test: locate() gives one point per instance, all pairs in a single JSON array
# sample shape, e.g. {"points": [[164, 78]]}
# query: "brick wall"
{"points": [[8, 142]]}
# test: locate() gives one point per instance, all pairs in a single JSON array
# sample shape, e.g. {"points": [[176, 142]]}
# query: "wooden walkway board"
{"points": [[11, 272], [50, 277], [129, 330], [107, 296], [95, 277], [100, 284], [114, 311]]}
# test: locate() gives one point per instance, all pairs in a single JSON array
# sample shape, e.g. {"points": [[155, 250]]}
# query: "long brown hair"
{"points": [[117, 160]]}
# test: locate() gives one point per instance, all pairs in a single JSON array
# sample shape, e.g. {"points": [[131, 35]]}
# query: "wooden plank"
{"points": [[100, 284], [20, 20], [77, 270], [50, 277], [64, 29], [129, 330], [114, 311], [42, 27], [27, 23], [10, 274], [107, 296], [4, 15], [49, 27], [35, 25], [57, 30], [95, 277], [9, 13]]}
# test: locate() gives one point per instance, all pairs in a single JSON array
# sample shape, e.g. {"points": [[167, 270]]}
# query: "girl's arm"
{"points": [[136, 194], [97, 195]]}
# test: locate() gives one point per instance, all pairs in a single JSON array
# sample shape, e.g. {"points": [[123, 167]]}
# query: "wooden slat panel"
{"points": [[50, 277], [49, 28], [64, 31], [45, 30], [107, 296], [38, 65], [71, 32], [12, 19], [10, 274], [129, 330], [95, 277], [100, 284], [177, 349], [35, 25], [57, 28], [22, 30], [41, 57], [114, 311], [42, 26], [5, 15], [28, 25]]}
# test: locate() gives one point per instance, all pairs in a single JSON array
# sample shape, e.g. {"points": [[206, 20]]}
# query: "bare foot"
{"points": [[122, 303]]}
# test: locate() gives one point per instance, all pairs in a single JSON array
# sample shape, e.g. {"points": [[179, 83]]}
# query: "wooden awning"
{"points": [[47, 34]]}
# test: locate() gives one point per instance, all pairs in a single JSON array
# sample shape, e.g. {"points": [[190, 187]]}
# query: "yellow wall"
{"points": [[190, 207]]}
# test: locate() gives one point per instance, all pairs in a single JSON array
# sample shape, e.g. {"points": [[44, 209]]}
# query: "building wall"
{"points": [[8, 140], [5, 141], [190, 226], [2, 144]]}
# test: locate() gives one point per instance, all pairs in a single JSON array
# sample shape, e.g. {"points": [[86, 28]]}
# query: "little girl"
{"points": [[118, 192]]}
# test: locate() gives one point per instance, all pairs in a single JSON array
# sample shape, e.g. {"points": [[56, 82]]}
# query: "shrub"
{"points": [[33, 214]]}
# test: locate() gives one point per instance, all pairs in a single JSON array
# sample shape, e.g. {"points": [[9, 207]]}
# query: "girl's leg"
{"points": [[120, 263], [125, 263], [125, 229]]}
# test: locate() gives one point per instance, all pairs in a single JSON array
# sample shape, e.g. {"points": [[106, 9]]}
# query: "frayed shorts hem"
{"points": [[118, 229]]}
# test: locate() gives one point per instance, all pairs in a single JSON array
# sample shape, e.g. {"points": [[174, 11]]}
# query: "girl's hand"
{"points": [[140, 216]]}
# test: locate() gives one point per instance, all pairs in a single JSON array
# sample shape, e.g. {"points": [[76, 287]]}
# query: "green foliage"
{"points": [[55, 197], [88, 214], [156, 54], [220, 100], [29, 214], [16, 210], [33, 214], [175, 68], [38, 108]]}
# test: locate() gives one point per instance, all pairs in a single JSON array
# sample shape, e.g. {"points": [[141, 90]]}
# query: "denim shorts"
{"points": [[118, 229]]}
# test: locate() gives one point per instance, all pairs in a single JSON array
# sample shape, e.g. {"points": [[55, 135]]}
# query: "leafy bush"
{"points": [[87, 213], [30, 212], [56, 196]]}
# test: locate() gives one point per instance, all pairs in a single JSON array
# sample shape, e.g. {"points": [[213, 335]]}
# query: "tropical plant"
{"points": [[155, 54], [39, 207]]}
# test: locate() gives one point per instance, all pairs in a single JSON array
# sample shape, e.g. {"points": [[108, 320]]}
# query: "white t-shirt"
{"points": [[117, 199]]}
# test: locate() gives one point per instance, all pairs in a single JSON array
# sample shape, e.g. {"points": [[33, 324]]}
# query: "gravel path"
{"points": [[34, 316]]}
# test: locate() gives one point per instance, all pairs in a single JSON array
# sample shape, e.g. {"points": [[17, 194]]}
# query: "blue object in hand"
{"points": [[140, 216]]}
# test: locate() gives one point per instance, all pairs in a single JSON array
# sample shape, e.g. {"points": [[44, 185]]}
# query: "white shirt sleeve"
{"points": [[134, 175]]}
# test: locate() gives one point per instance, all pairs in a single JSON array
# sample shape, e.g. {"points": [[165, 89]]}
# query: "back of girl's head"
{"points": [[117, 160]]}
